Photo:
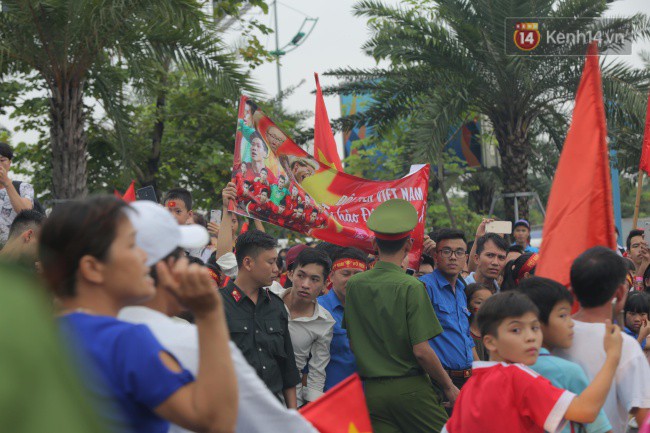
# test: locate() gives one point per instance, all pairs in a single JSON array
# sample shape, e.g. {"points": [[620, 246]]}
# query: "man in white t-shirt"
{"points": [[12, 201], [259, 410], [598, 282]]}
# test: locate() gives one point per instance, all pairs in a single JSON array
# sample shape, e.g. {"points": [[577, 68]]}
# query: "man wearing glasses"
{"points": [[446, 289]]}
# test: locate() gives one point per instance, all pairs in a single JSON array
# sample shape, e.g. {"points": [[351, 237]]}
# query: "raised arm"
{"points": [[17, 202], [224, 239], [209, 404], [259, 225], [480, 231]]}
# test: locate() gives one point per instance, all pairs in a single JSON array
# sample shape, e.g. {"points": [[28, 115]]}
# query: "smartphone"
{"points": [[215, 216], [146, 193], [500, 227]]}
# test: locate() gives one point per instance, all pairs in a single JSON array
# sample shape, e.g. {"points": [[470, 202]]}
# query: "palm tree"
{"points": [[75, 46], [456, 49]]}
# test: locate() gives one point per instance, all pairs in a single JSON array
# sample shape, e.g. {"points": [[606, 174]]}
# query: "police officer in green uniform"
{"points": [[389, 319]]}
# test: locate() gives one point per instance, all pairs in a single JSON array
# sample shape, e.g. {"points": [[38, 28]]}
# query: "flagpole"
{"points": [[637, 203], [644, 164]]}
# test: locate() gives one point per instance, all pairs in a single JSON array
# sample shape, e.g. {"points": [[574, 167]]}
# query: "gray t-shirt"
{"points": [[7, 212], [471, 279]]}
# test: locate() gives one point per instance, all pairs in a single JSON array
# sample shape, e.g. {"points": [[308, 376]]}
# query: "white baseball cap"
{"points": [[158, 233]]}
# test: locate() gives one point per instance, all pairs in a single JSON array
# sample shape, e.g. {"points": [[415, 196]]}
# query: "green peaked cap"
{"points": [[393, 217]]}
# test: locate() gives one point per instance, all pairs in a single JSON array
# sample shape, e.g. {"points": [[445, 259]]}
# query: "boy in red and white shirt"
{"points": [[504, 395]]}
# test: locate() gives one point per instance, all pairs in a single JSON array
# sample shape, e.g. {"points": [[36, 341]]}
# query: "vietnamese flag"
{"points": [[324, 142], [129, 195], [579, 212], [645, 148], [342, 409]]}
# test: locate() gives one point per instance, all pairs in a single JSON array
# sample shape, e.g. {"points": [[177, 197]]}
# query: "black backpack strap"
{"points": [[36, 205]]}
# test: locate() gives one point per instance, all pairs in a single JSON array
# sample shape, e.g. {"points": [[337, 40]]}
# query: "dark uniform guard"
{"points": [[261, 331], [387, 313]]}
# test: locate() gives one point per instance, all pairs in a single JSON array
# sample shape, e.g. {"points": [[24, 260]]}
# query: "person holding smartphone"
{"points": [[490, 259]]}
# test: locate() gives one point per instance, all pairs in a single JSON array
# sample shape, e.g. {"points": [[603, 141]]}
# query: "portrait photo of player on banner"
{"points": [[279, 183]]}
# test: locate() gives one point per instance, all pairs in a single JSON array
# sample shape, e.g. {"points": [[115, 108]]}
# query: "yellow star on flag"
{"points": [[353, 429]]}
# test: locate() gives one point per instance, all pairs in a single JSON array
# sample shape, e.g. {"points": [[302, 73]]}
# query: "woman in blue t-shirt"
{"points": [[93, 266]]}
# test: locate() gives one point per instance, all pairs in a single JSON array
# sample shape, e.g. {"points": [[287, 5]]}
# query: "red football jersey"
{"points": [[262, 209], [251, 175], [290, 205], [239, 182], [258, 186], [501, 397]]}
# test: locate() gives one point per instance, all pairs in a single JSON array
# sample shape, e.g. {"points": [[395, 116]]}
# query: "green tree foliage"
{"points": [[196, 149], [390, 156], [75, 48], [450, 55]]}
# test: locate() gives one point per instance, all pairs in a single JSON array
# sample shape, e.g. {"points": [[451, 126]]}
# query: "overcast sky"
{"points": [[336, 42]]}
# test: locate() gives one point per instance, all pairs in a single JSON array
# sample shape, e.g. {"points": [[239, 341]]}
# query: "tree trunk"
{"points": [[153, 162], [68, 141], [514, 149], [486, 184], [443, 190]]}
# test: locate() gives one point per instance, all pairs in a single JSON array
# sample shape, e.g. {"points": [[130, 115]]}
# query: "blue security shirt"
{"points": [[342, 363], [122, 371], [454, 345], [570, 376], [629, 332], [529, 248]]}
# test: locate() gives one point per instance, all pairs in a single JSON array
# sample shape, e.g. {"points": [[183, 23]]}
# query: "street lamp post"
{"points": [[277, 51], [301, 36]]}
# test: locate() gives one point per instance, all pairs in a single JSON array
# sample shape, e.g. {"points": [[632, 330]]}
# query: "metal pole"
{"points": [[516, 209], [637, 203], [494, 202], [616, 192], [539, 203], [277, 50]]}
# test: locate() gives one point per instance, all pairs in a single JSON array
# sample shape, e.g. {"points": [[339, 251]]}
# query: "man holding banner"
{"points": [[389, 321]]}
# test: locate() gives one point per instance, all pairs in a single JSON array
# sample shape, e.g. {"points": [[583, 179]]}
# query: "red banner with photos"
{"points": [[278, 182]]}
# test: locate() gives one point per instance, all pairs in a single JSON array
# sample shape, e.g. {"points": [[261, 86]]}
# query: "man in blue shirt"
{"points": [[521, 233], [346, 263], [454, 346]]}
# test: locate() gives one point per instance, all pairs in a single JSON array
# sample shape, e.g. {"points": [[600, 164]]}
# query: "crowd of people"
{"points": [[176, 323]]}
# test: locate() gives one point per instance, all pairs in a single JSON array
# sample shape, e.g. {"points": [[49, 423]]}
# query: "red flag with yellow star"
{"points": [[342, 409]]}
